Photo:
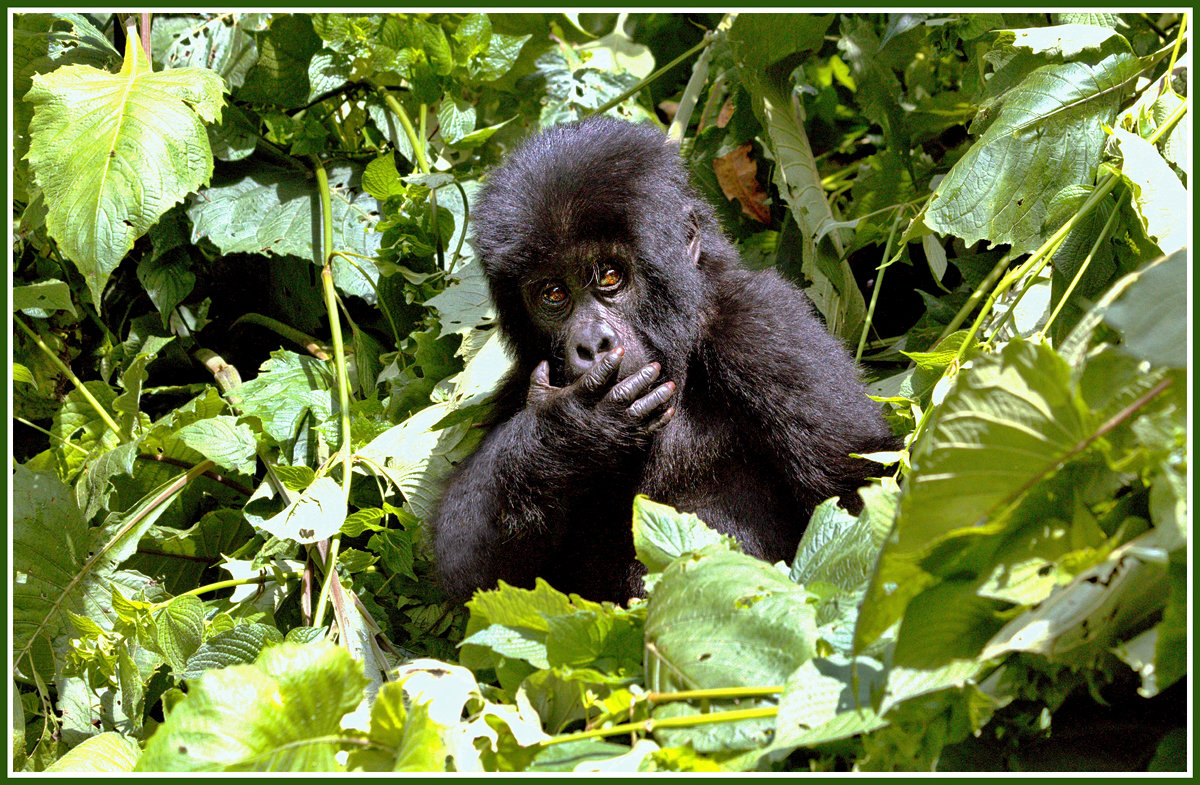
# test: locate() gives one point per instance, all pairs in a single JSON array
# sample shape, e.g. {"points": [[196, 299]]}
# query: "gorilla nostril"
{"points": [[584, 354], [605, 344]]}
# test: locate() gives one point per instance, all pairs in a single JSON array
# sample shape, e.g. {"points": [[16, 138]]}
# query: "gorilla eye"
{"points": [[609, 278], [554, 294]]}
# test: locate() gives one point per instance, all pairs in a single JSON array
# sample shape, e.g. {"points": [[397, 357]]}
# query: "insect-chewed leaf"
{"points": [[113, 152]]}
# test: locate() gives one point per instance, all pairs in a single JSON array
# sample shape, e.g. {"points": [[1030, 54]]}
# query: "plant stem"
{"points": [[646, 726], [264, 578], [883, 265], [62, 367], [417, 142], [1101, 238], [717, 693], [977, 295], [1175, 52], [654, 77]]}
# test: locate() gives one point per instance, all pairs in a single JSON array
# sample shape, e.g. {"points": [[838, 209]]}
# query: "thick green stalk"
{"points": [[883, 265], [61, 366], [1100, 239], [646, 726], [417, 142], [339, 362]]}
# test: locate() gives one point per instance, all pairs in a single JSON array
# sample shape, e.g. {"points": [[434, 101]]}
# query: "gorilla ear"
{"points": [[693, 235]]}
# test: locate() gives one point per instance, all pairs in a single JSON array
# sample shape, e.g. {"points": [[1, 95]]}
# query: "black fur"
{"points": [[766, 405]]}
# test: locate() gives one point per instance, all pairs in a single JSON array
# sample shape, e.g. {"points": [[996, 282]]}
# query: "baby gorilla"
{"points": [[646, 361]]}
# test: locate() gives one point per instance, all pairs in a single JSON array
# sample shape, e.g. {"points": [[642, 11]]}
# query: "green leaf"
{"points": [[417, 458], [113, 152], [1065, 41], [402, 738], [455, 120], [60, 565], [828, 699], [106, 753], [1008, 421], [724, 619], [270, 210], [661, 534], [237, 646], [315, 515], [1151, 313], [222, 43], [223, 440], [43, 296], [1155, 190], [280, 77], [180, 628], [1047, 136], [282, 713], [289, 387], [834, 291]]}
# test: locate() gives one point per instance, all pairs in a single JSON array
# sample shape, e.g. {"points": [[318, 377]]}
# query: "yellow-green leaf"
{"points": [[113, 152]]}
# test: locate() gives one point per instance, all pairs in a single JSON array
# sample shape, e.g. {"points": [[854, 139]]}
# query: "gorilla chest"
{"points": [[706, 467]]}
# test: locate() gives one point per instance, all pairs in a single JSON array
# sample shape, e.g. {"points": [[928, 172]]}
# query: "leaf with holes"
{"points": [[113, 152]]}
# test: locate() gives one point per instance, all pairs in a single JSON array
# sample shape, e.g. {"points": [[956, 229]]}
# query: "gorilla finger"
{"points": [[663, 419], [629, 388], [539, 382], [598, 376], [645, 406]]}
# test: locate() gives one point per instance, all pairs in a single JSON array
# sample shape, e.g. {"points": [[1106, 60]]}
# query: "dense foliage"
{"points": [[250, 341]]}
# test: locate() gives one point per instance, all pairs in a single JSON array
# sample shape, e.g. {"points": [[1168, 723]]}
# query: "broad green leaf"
{"points": [[113, 152], [43, 296], [223, 440], [60, 565], [315, 515], [761, 40], [828, 699], [455, 120], [661, 534], [1066, 40], [402, 738], [280, 77], [289, 387], [180, 628], [237, 646], [1047, 136], [381, 179], [1086, 616], [104, 753], [1155, 190], [271, 210], [22, 374], [834, 291], [282, 713], [222, 43], [465, 304], [839, 548], [724, 619], [1008, 421], [418, 459], [1151, 313]]}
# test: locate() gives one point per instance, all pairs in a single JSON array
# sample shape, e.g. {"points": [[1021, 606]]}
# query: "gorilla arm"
{"points": [[509, 506], [796, 385]]}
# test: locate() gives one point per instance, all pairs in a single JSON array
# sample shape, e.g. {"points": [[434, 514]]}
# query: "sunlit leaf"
{"points": [[282, 713], [113, 152]]}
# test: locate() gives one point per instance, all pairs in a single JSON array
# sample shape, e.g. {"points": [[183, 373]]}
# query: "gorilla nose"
{"points": [[590, 342]]}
